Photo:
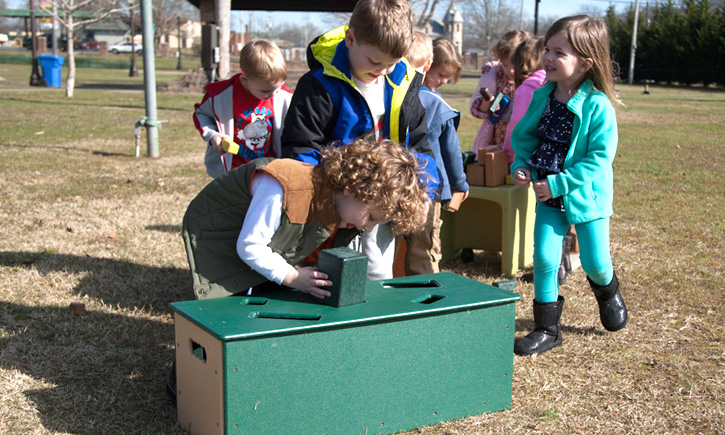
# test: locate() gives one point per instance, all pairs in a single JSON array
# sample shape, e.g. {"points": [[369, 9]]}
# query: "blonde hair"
{"points": [[382, 174], [505, 46], [589, 37], [420, 50], [262, 59], [446, 56], [527, 59], [384, 24]]}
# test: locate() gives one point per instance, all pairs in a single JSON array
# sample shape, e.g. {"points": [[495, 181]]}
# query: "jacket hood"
{"points": [[328, 51]]}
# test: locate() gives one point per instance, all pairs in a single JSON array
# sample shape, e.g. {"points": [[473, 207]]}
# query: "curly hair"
{"points": [[382, 174]]}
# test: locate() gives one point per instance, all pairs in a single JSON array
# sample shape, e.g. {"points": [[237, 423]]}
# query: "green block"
{"points": [[420, 350], [347, 269]]}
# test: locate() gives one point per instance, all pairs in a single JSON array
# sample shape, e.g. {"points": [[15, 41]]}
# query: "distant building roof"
{"points": [[108, 25], [435, 28], [453, 15], [40, 13]]}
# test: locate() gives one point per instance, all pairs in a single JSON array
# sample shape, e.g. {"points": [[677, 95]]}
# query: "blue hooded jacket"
{"points": [[443, 123], [328, 107]]}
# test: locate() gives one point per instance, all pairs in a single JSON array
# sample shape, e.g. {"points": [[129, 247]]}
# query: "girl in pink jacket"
{"points": [[497, 76], [528, 77]]}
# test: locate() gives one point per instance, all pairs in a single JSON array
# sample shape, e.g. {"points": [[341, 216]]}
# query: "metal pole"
{"points": [[133, 71], [536, 18], [35, 78], [149, 79], [634, 43], [178, 43]]}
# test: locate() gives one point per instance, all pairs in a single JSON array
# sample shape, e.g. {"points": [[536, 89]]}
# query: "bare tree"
{"points": [[487, 20], [165, 14], [64, 13], [424, 10]]}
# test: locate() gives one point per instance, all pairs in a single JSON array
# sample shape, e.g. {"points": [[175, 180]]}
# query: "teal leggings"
{"points": [[549, 231]]}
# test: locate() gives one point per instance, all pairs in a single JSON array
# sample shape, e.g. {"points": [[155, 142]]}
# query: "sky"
{"points": [[547, 8]]}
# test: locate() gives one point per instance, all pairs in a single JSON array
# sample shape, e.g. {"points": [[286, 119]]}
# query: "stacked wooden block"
{"points": [[490, 170]]}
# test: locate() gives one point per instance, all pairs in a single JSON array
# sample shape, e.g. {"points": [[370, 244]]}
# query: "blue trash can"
{"points": [[52, 65]]}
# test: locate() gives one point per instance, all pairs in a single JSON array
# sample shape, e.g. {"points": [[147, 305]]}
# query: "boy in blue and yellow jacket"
{"points": [[358, 83]]}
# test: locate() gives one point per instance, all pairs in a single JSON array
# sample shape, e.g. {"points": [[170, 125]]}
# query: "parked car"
{"points": [[88, 44], [125, 47]]}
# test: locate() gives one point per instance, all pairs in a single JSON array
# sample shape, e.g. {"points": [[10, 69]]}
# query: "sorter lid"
{"points": [[285, 312]]}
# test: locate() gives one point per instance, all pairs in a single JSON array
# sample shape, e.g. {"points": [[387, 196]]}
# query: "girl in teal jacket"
{"points": [[565, 146]]}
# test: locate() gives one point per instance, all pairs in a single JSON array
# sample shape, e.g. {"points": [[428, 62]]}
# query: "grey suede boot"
{"points": [[547, 331], [565, 266], [612, 311]]}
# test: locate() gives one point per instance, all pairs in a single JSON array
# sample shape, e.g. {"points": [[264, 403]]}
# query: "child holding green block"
{"points": [[266, 220]]}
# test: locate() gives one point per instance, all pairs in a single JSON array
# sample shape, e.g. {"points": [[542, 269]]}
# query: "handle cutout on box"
{"points": [[198, 351], [255, 301], [415, 284], [428, 299], [286, 316]]}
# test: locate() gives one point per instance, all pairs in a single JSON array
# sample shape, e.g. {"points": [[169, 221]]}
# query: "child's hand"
{"points": [[308, 280], [521, 176], [486, 100], [216, 142], [542, 190]]}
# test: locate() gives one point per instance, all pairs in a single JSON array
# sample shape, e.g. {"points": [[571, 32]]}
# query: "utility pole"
{"points": [[634, 43], [178, 43], [35, 78], [133, 72]]}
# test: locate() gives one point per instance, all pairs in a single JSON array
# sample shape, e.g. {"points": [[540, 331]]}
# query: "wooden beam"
{"points": [[290, 5]]}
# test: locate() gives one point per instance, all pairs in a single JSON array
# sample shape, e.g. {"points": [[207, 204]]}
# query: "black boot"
{"points": [[547, 332], [612, 311]]}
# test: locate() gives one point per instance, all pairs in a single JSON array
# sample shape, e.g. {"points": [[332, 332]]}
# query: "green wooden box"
{"points": [[419, 351]]}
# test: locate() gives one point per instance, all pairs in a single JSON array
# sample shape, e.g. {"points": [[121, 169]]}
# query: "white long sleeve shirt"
{"points": [[260, 224]]}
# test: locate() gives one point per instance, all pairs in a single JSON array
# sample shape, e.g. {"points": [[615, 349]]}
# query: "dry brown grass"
{"points": [[85, 221]]}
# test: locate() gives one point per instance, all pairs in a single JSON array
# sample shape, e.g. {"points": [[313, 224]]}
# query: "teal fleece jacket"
{"points": [[586, 182]]}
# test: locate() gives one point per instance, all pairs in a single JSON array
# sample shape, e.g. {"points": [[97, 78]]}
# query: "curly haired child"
{"points": [[265, 221], [565, 146]]}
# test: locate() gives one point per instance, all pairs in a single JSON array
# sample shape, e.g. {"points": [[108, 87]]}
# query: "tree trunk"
{"points": [[222, 16], [71, 81]]}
